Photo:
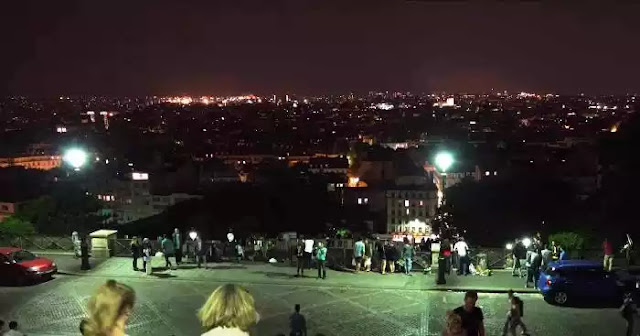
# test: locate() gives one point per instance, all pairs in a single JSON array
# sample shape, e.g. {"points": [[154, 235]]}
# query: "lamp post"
{"points": [[443, 161], [76, 158]]}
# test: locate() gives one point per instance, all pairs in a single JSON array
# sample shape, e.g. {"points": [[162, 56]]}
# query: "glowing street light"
{"points": [[526, 242], [75, 157], [193, 235], [509, 246], [444, 160]]}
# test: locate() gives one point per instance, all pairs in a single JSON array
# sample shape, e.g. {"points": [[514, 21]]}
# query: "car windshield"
{"points": [[21, 256]]}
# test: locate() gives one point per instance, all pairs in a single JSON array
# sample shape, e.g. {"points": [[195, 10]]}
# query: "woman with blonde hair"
{"points": [[454, 325], [229, 311], [109, 310]]}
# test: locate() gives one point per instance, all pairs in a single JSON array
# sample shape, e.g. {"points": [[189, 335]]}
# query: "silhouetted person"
{"points": [[300, 258], [135, 252], [297, 323], [177, 244], [13, 330], [321, 257]]}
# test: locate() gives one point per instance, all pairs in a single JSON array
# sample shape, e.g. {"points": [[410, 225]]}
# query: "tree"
{"points": [[572, 242], [13, 226]]}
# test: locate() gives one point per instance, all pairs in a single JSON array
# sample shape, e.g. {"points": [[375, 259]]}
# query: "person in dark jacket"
{"points": [[135, 252], [147, 253], [167, 250], [392, 257], [382, 256]]}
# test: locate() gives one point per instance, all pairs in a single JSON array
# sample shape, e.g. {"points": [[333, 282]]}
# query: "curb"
{"points": [[306, 284]]}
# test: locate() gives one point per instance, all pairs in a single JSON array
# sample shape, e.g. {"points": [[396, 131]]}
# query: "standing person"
{"points": [[392, 256], [546, 256], [297, 323], [445, 249], [607, 251], [368, 254], [514, 315], [135, 252], [177, 245], [358, 253], [146, 256], [454, 325], [75, 240], [382, 255], [519, 258], [201, 252], [229, 311], [628, 251], [308, 251], [426, 248], [321, 257], [563, 254], [555, 253], [13, 330], [239, 252], [109, 309], [532, 260], [629, 311], [300, 258], [407, 256], [472, 317], [167, 250], [462, 248]]}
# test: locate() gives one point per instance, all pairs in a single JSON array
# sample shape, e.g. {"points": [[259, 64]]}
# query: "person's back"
{"points": [[358, 248], [407, 251], [13, 330], [167, 246]]}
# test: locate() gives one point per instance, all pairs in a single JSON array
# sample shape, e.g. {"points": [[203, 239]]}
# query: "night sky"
{"points": [[316, 47]]}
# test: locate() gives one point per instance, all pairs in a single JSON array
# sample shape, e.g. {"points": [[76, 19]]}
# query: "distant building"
{"points": [[330, 165], [43, 162], [7, 209], [410, 209]]}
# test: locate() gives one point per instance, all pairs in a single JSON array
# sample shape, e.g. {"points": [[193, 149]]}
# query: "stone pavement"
{"points": [[167, 306], [283, 274]]}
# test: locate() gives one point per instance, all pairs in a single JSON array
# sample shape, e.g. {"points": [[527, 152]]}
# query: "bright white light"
{"points": [[444, 160], [406, 203], [139, 176], [509, 246], [75, 157], [526, 242], [193, 235], [230, 236]]}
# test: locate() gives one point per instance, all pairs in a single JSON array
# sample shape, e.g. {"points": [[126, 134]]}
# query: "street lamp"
{"points": [[509, 246], [443, 161], [75, 157], [526, 242]]}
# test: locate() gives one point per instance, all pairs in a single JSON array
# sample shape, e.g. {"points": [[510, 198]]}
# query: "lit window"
{"points": [[421, 203], [495, 173], [407, 211], [406, 203], [366, 200], [359, 200], [487, 173], [99, 197]]}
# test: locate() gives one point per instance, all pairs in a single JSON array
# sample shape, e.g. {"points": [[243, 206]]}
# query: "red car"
{"points": [[20, 266]]}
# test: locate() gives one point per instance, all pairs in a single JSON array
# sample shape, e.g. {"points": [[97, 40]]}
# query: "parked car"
{"points": [[567, 281], [20, 266]]}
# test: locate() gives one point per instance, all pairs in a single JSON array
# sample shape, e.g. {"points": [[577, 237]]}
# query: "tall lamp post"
{"points": [[443, 161], [76, 158]]}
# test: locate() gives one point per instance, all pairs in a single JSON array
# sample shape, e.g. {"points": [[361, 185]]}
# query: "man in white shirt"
{"points": [[462, 248], [308, 251]]}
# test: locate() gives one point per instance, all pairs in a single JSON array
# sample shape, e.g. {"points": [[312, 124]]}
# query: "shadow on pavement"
{"points": [[163, 275], [221, 267], [276, 274]]}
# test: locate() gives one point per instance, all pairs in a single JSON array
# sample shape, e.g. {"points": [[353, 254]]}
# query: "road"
{"points": [[167, 306]]}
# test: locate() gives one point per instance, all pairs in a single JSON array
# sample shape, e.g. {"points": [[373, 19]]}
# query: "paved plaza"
{"points": [[344, 304]]}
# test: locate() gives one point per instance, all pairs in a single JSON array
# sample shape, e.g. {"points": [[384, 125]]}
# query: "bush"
{"points": [[13, 227], [570, 241]]}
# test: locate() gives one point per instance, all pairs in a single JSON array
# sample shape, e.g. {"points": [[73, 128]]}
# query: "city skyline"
{"points": [[314, 49]]}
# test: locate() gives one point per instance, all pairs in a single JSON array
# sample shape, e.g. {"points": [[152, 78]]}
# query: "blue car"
{"points": [[574, 280]]}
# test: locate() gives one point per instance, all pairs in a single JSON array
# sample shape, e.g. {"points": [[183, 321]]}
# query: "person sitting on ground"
{"points": [[297, 323], [109, 310], [229, 311], [454, 325]]}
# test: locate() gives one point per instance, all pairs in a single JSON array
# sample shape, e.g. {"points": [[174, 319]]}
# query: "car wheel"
{"points": [[560, 298]]}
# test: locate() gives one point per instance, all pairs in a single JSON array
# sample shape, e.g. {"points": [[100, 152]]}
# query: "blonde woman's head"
{"points": [[109, 309], [229, 306], [454, 323]]}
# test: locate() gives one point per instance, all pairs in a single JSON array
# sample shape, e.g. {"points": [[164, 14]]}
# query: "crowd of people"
{"points": [[531, 256], [177, 249]]}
